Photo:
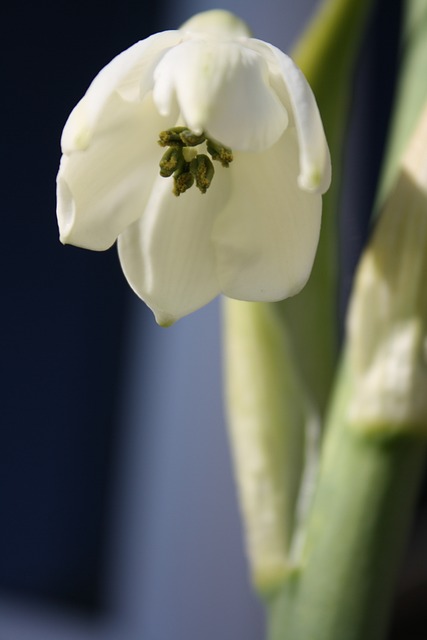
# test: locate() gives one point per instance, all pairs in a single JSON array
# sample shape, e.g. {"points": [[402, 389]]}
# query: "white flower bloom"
{"points": [[253, 231]]}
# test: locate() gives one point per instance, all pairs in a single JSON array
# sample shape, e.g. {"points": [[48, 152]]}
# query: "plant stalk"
{"points": [[357, 531]]}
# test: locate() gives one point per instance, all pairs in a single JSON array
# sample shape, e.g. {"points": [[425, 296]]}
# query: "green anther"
{"points": [[183, 161], [203, 171], [224, 155], [182, 182], [172, 160], [191, 139], [171, 137]]}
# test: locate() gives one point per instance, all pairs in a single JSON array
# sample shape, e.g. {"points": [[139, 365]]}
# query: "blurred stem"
{"points": [[358, 527], [368, 483], [326, 54], [411, 90], [280, 358], [266, 416]]}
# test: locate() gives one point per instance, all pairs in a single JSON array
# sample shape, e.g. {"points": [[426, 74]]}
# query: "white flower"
{"points": [[254, 233]]}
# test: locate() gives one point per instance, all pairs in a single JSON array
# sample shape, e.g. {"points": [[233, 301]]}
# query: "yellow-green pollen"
{"points": [[185, 164]]}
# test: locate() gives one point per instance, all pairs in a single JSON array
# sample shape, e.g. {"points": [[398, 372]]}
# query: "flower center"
{"points": [[183, 160]]}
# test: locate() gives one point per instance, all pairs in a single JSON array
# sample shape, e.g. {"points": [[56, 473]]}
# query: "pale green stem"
{"points": [[326, 54], [279, 358], [412, 90], [267, 414], [368, 482], [357, 531]]}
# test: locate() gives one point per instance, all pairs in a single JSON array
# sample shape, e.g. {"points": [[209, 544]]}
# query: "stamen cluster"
{"points": [[183, 161]]}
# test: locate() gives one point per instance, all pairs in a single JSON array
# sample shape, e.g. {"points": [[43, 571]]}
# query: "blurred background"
{"points": [[119, 518]]}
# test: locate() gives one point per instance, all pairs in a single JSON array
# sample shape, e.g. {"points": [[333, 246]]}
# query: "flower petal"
{"points": [[167, 255], [130, 74], [104, 188], [217, 22], [266, 237], [298, 98], [222, 88]]}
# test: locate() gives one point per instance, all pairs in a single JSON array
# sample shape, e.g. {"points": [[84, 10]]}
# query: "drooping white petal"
{"points": [[216, 22], [266, 237], [222, 88], [104, 188], [167, 255], [314, 157], [130, 74]]}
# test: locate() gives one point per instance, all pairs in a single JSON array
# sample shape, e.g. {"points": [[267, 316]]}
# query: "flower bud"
{"points": [[388, 314]]}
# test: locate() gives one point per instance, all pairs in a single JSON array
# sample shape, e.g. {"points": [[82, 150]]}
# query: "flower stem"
{"points": [[330, 42], [369, 479], [358, 526], [280, 357], [412, 90], [267, 415]]}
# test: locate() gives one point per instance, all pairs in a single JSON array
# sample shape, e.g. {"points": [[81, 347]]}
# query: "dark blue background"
{"points": [[63, 310]]}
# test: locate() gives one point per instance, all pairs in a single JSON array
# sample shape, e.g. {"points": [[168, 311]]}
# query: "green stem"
{"points": [[267, 418], [280, 357], [412, 90], [358, 527], [367, 486], [326, 54]]}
